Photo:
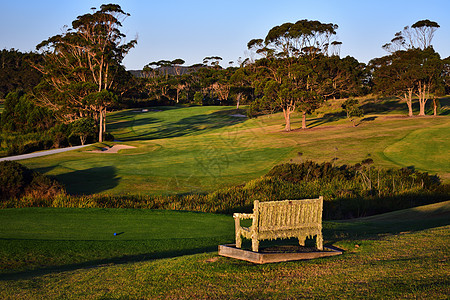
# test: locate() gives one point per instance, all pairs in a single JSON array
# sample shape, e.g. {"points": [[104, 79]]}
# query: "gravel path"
{"points": [[41, 153]]}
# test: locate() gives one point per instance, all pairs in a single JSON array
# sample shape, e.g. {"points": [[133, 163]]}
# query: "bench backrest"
{"points": [[288, 214]]}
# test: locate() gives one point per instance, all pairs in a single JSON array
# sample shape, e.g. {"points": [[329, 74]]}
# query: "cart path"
{"points": [[42, 153]]}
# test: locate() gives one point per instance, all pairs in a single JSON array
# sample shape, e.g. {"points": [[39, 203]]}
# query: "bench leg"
{"points": [[238, 240], [319, 242], [255, 245], [301, 240]]}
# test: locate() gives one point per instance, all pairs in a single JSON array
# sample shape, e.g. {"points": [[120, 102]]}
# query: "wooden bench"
{"points": [[282, 219]]}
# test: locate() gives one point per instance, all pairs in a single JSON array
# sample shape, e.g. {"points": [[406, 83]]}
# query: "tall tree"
{"points": [[81, 65], [291, 53], [419, 35], [405, 73]]}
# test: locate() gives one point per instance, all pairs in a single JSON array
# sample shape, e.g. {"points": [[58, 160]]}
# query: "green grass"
{"points": [[431, 152], [37, 239], [201, 149], [399, 255]]}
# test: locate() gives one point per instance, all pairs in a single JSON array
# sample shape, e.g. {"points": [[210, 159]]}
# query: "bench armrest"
{"points": [[243, 216]]}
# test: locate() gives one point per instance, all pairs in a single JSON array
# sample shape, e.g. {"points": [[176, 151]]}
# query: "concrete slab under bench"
{"points": [[276, 254]]}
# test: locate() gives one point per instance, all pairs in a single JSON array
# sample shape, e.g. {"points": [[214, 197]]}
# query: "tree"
{"points": [[301, 38], [446, 74], [419, 35], [83, 128], [16, 72], [286, 84], [394, 75], [290, 53], [409, 72], [81, 65], [350, 106], [21, 115]]}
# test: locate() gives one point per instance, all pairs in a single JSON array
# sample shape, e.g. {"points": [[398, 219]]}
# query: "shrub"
{"points": [[108, 137], [17, 181], [349, 192]]}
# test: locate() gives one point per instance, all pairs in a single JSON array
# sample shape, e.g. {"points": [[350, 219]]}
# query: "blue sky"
{"points": [[194, 29]]}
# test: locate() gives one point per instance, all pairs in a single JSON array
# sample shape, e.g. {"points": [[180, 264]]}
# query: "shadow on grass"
{"points": [[375, 227], [385, 106], [104, 262], [330, 117], [89, 181], [193, 125]]}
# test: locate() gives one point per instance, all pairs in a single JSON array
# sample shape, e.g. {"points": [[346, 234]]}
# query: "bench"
{"points": [[282, 219]]}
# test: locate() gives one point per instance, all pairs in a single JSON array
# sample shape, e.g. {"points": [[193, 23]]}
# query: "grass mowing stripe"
{"points": [[412, 265], [30, 238], [431, 149], [201, 149]]}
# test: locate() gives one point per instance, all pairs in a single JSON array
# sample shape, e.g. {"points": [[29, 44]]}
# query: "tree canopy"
{"points": [[81, 65]]}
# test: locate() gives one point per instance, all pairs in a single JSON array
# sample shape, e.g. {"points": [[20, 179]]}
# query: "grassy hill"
{"points": [[72, 253], [201, 149]]}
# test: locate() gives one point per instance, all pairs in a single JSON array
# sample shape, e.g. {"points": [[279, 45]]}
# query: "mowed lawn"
{"points": [[201, 149], [73, 254], [42, 239]]}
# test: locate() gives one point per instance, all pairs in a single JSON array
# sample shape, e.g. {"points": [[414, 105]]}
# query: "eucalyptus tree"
{"points": [[304, 37], [407, 73], [446, 74], [81, 65], [419, 35], [241, 85], [287, 73]]}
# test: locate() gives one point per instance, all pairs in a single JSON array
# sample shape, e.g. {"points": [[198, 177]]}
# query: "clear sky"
{"points": [[194, 29]]}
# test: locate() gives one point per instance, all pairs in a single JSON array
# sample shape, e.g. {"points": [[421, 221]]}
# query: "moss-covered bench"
{"points": [[282, 219]]}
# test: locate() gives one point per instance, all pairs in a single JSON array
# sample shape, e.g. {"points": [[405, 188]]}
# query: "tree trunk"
{"points": [[435, 106], [83, 139], [408, 98], [104, 120], [303, 119], [287, 119], [423, 97], [100, 131]]}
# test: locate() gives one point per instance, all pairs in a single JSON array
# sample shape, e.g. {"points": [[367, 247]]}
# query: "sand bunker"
{"points": [[113, 149]]}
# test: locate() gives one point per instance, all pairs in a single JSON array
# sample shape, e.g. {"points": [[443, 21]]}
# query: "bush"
{"points": [[17, 181], [349, 192], [108, 137]]}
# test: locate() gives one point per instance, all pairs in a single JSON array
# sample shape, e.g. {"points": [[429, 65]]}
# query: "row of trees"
{"points": [[80, 71], [299, 67]]}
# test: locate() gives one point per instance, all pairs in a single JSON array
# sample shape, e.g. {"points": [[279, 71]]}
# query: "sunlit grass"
{"points": [[431, 150], [35, 238], [201, 149], [398, 255]]}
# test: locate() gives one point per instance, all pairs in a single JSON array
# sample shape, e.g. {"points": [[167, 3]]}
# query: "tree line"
{"points": [[75, 77]]}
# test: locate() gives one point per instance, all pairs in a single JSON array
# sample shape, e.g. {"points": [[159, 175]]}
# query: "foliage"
{"points": [[404, 73], [27, 127], [418, 36], [21, 115], [84, 128], [16, 71], [82, 65], [351, 108], [17, 181], [349, 192]]}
